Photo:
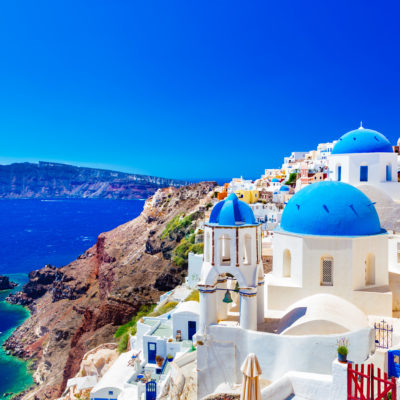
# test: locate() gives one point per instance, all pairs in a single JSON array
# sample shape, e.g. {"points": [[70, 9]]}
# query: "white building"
{"points": [[241, 184], [330, 241], [268, 215], [195, 262], [365, 157], [185, 319]]}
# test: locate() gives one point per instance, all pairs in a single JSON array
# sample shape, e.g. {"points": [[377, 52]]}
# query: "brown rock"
{"points": [[80, 306]]}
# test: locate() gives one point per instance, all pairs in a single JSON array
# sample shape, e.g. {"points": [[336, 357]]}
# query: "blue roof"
{"points": [[275, 180], [362, 141], [284, 188], [331, 209], [232, 212]]}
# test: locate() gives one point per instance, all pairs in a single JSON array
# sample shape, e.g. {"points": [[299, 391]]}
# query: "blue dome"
{"points": [[284, 188], [232, 212], [362, 141], [275, 180], [330, 209]]}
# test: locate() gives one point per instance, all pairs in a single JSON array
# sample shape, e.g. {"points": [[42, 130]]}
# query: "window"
{"points": [[287, 261], [339, 173], [363, 173], [247, 249], [225, 250], [207, 247], [388, 172], [370, 270], [326, 271]]}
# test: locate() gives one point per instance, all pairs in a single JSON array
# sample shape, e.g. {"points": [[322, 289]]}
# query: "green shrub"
{"points": [[343, 350], [179, 261], [178, 223], [292, 178], [164, 309], [123, 342], [181, 252], [193, 296], [173, 223], [130, 326], [198, 248], [122, 333]]}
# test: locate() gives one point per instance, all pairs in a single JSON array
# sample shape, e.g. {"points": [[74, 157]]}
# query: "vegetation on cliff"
{"points": [[125, 330], [181, 252]]}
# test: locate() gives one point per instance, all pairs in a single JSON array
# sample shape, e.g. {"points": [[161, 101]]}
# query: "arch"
{"points": [[247, 249], [212, 276], [207, 247], [370, 269], [388, 172], [326, 267], [287, 264], [224, 242]]}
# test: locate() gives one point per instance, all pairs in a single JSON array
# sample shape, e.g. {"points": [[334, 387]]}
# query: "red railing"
{"points": [[362, 384]]}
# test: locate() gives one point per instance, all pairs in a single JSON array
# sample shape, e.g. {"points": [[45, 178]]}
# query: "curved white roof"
{"points": [[188, 306], [322, 314]]}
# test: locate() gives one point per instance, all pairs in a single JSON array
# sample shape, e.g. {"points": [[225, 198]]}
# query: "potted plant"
{"points": [[159, 361], [170, 357], [342, 349]]}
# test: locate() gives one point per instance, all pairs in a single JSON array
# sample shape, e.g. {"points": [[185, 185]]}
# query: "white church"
{"points": [[330, 277], [364, 157]]}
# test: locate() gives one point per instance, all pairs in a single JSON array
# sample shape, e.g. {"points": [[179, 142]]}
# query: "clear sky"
{"points": [[193, 89]]}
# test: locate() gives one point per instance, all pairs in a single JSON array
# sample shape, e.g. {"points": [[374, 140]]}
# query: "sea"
{"points": [[38, 232]]}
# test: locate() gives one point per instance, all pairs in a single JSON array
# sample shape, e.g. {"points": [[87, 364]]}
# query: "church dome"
{"points": [[275, 180], [232, 212], [284, 188], [362, 141], [330, 209]]}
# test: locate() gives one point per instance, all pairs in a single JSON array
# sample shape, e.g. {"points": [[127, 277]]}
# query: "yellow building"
{"points": [[248, 196]]}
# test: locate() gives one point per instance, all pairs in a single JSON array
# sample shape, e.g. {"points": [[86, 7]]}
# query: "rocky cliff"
{"points": [[54, 180], [80, 306]]}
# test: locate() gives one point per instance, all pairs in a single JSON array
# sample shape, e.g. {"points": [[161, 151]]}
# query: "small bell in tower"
{"points": [[227, 297]]}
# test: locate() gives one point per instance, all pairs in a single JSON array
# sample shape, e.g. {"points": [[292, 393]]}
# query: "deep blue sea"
{"points": [[38, 232]]}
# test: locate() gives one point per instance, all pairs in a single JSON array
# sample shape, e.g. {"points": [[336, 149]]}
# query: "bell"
{"points": [[237, 287], [227, 297]]}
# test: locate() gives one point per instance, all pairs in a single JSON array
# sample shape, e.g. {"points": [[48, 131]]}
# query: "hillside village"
{"points": [[294, 277]]}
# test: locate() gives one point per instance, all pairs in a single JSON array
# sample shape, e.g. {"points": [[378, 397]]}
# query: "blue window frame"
{"points": [[364, 173], [339, 173], [388, 173]]}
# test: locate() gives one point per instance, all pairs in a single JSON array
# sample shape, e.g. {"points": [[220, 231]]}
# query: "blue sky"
{"points": [[193, 89]]}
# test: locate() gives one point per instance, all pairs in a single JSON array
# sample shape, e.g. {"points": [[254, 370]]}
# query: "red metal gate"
{"points": [[362, 384]]}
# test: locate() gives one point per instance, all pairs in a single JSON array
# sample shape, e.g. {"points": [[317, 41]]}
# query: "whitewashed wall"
{"points": [[349, 255], [220, 358]]}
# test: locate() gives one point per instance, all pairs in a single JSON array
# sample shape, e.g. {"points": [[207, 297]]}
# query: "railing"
{"points": [[383, 334], [364, 384]]}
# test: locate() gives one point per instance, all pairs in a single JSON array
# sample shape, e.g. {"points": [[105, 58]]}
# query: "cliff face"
{"points": [[53, 180], [79, 306]]}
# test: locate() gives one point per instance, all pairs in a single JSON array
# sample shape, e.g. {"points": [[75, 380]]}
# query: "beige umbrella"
{"points": [[251, 385]]}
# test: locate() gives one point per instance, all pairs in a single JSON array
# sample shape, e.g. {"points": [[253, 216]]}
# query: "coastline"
{"points": [[19, 377]]}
